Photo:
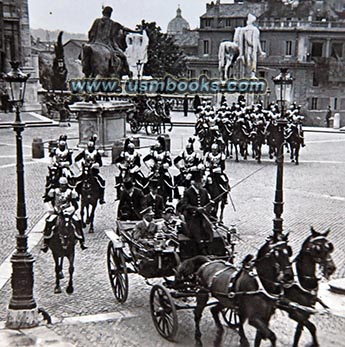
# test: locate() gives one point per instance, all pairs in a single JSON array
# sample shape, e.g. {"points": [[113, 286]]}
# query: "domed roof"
{"points": [[178, 24]]}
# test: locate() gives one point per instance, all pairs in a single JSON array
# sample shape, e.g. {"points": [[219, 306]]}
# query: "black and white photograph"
{"points": [[172, 173]]}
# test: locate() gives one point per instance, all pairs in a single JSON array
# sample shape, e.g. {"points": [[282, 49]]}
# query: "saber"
{"points": [[232, 202]]}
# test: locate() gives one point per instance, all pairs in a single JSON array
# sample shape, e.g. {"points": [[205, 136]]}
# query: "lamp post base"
{"points": [[22, 319]]}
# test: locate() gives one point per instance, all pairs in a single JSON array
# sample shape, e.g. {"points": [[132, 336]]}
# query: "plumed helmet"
{"points": [[128, 144], [63, 181], [214, 146], [190, 143], [63, 138], [161, 142], [93, 138]]}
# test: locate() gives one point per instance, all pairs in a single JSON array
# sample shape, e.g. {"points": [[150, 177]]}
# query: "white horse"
{"points": [[227, 55]]}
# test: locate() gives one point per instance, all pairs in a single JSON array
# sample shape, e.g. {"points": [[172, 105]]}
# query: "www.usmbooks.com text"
{"points": [[171, 85]]}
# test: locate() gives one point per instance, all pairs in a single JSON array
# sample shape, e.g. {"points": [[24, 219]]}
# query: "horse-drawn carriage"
{"points": [[151, 114], [125, 256]]}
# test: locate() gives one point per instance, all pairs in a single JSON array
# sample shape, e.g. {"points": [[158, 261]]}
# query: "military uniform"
{"points": [[160, 170], [64, 202], [91, 156], [186, 162], [62, 158], [198, 226], [130, 205]]}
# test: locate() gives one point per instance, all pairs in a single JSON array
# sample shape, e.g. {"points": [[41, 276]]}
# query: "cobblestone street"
{"points": [[314, 195]]}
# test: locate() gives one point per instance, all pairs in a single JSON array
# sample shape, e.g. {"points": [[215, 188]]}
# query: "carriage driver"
{"points": [[64, 200], [92, 157], [196, 206]]}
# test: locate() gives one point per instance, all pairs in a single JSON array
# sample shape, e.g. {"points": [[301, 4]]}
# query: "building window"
{"points": [[313, 103], [337, 50], [207, 22], [317, 49], [228, 22], [263, 45], [191, 73], [206, 47], [205, 72], [262, 74], [335, 103], [288, 47]]}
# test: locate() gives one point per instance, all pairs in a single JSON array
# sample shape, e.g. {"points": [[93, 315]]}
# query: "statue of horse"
{"points": [[316, 250], [253, 290], [62, 243], [99, 61], [89, 192], [227, 56]]}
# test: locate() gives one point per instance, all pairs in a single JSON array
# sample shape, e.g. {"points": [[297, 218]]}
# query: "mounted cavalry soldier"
{"points": [[129, 164], [215, 166], [62, 158], [160, 163], [64, 200], [195, 207], [92, 158], [187, 162]]}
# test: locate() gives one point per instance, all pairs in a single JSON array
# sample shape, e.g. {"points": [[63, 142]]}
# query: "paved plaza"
{"points": [[314, 195]]}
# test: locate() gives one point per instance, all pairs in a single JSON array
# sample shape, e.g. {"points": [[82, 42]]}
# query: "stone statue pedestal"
{"points": [[104, 118]]}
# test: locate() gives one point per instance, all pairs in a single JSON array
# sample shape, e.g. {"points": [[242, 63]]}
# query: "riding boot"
{"points": [[302, 142], [81, 234], [46, 232], [101, 198]]}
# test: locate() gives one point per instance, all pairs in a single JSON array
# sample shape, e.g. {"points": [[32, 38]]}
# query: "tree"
{"points": [[164, 56]]}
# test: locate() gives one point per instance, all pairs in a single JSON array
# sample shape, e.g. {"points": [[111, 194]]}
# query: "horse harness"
{"points": [[231, 293]]}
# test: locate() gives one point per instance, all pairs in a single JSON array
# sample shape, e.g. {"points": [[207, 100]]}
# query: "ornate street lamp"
{"points": [[283, 88], [22, 309], [139, 67]]}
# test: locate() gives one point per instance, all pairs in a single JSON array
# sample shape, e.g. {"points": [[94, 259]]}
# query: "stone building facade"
{"points": [[308, 37], [15, 45]]}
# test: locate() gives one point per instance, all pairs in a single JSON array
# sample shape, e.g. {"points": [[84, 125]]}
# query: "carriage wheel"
{"points": [[134, 125], [231, 318], [163, 312], [117, 271]]}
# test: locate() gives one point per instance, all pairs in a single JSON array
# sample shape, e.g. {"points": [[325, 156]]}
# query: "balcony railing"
{"points": [[265, 24]]}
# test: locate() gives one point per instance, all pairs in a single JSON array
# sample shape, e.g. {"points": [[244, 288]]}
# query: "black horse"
{"points": [[272, 137], [316, 250], [294, 140], [62, 244], [239, 139], [90, 192], [257, 137], [252, 291]]}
